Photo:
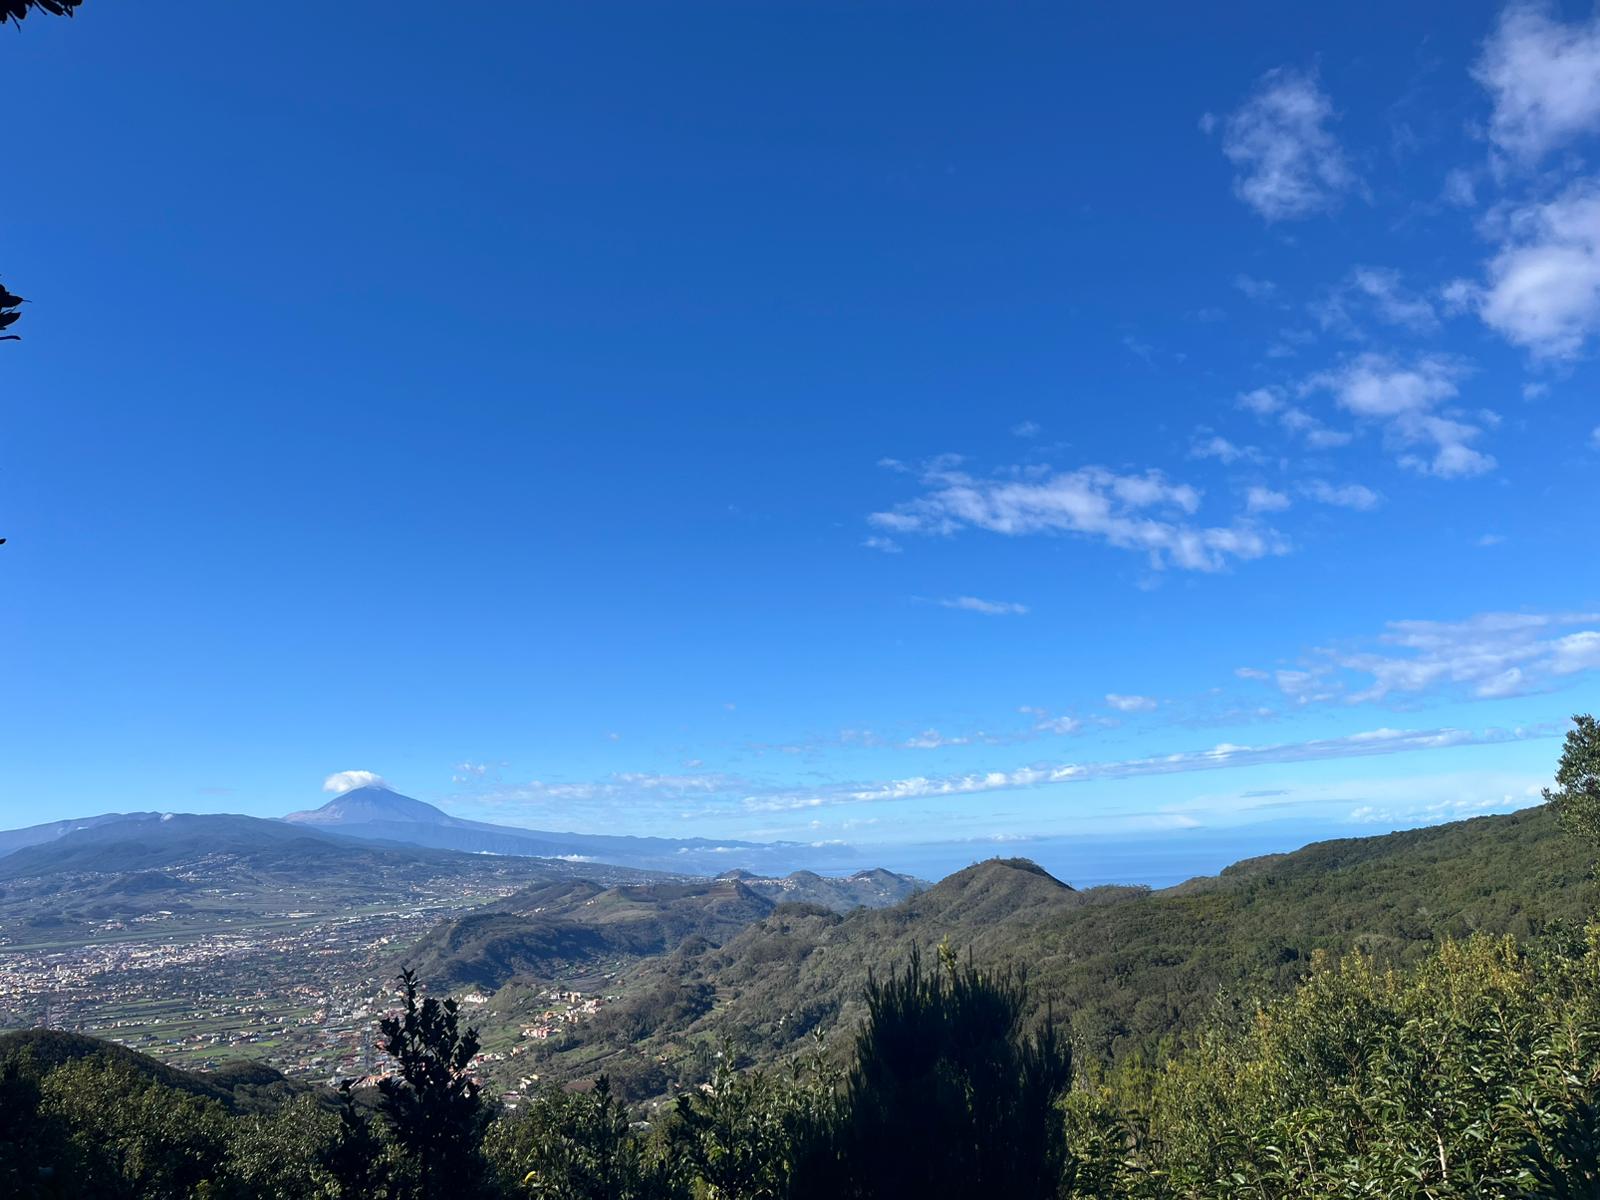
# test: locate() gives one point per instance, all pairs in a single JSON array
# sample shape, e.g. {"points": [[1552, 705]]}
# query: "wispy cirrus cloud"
{"points": [[617, 786], [1142, 512], [1484, 657], [1346, 495], [1131, 704], [1272, 405], [1376, 294], [1221, 757], [1213, 445], [988, 608]]}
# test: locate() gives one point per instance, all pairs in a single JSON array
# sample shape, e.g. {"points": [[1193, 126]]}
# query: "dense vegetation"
{"points": [[1469, 1069], [1127, 970]]}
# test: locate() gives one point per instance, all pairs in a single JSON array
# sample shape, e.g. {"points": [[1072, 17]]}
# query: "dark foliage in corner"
{"points": [[10, 313], [16, 10]]}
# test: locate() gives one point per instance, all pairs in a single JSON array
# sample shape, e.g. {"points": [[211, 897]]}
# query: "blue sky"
{"points": [[876, 423]]}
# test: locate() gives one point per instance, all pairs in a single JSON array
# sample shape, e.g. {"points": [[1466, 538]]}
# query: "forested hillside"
{"points": [[1127, 968]]}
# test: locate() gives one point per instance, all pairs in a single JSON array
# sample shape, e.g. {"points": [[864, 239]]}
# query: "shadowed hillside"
{"points": [[241, 1087], [550, 929]]}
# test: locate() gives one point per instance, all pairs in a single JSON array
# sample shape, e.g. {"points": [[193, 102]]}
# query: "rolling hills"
{"points": [[550, 930], [1125, 967]]}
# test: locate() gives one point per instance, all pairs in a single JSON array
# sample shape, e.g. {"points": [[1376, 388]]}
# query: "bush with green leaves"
{"points": [[1473, 1075], [759, 1134], [577, 1145]]}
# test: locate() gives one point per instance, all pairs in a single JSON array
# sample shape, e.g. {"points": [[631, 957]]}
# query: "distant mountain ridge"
{"points": [[874, 888], [35, 835], [375, 813]]}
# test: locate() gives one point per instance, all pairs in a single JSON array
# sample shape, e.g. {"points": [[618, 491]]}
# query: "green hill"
{"points": [[551, 929], [1129, 967], [241, 1087]]}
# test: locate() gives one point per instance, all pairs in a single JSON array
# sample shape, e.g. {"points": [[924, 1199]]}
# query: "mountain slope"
{"points": [[367, 804], [377, 813], [550, 930], [35, 835], [200, 869], [1126, 966], [240, 1087]]}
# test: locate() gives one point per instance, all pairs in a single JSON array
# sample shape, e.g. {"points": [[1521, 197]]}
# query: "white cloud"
{"points": [[1134, 512], [1255, 289], [989, 608], [1543, 76], [1543, 287], [1043, 722], [1390, 300], [1349, 495], [1454, 809], [1487, 656], [1219, 757], [1270, 405], [1460, 190], [932, 739], [1404, 399], [1594, 437], [1220, 448], [640, 789], [1026, 429], [1130, 704], [882, 545], [341, 782], [1263, 402], [1264, 499], [1289, 165], [469, 772]]}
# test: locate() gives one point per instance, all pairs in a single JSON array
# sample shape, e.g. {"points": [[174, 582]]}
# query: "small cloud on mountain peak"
{"points": [[341, 782]]}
